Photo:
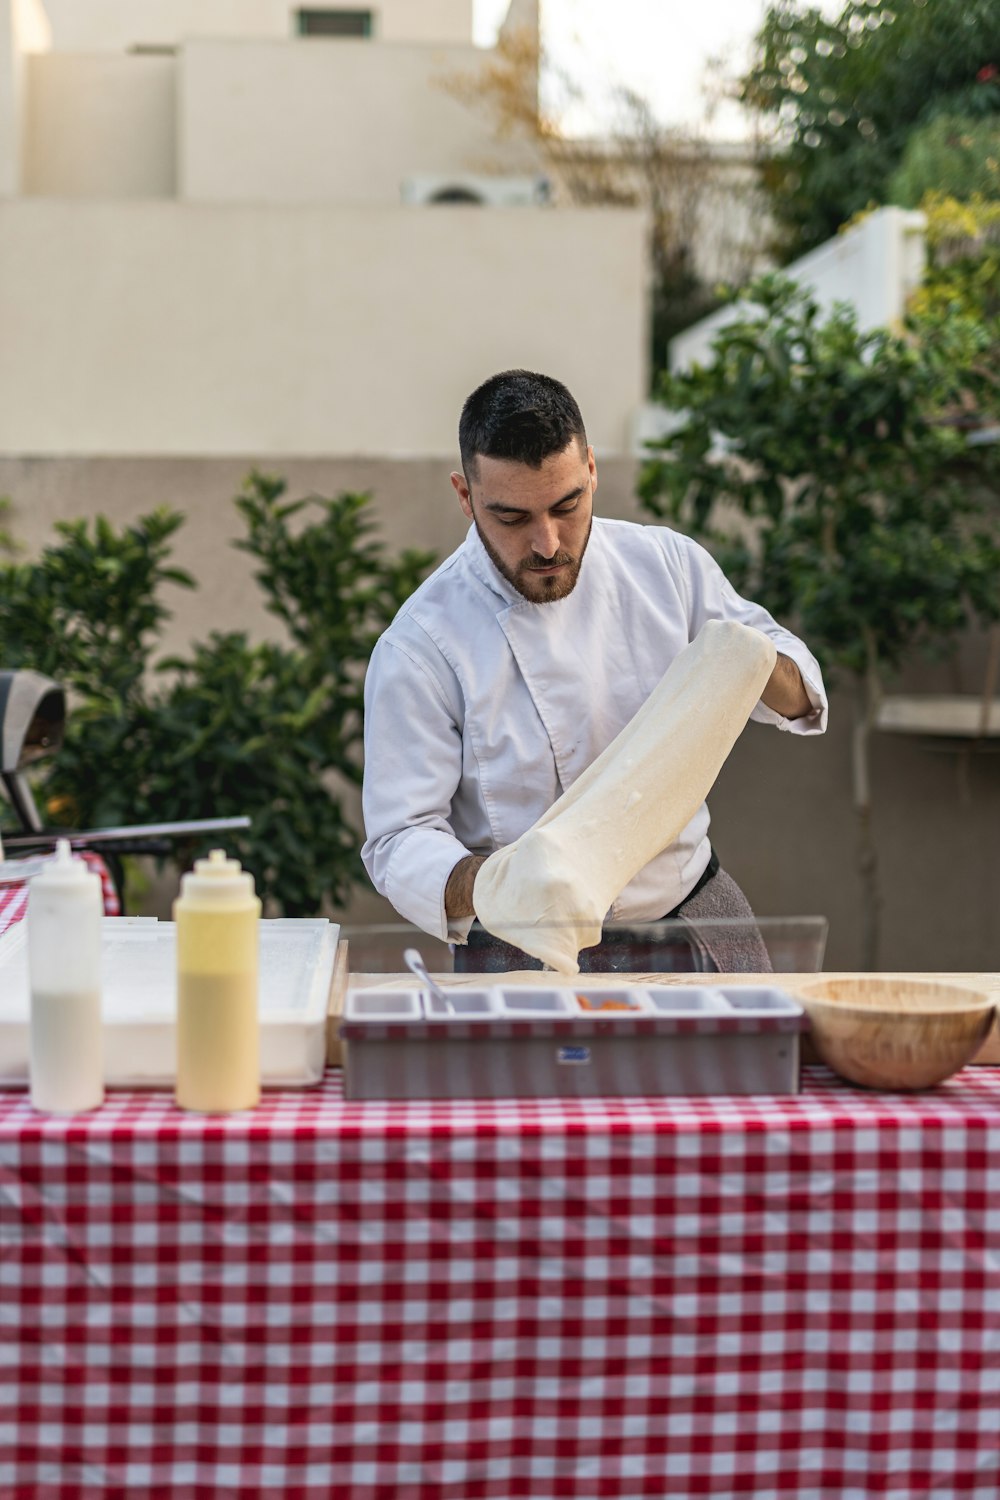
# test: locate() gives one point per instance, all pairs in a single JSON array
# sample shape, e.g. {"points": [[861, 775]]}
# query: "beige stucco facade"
{"points": [[10, 106], [281, 122], [117, 25], [24, 29], [99, 125], [166, 328], [212, 249], [253, 121]]}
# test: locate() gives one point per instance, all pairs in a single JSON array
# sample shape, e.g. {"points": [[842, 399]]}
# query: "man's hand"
{"points": [[458, 891], [785, 692]]}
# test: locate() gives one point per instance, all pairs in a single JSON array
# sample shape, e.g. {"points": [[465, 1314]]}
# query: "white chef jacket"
{"points": [[481, 707]]}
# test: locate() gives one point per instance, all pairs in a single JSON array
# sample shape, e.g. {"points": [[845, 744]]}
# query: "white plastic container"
{"points": [[139, 1002], [66, 1058], [218, 1029]]}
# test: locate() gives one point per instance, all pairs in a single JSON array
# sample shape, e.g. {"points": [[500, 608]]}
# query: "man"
{"points": [[522, 657]]}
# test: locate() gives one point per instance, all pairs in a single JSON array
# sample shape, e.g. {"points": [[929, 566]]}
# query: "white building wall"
{"points": [[207, 253], [164, 328], [24, 29], [10, 104], [116, 25], [335, 121], [874, 267], [100, 125], [430, 21]]}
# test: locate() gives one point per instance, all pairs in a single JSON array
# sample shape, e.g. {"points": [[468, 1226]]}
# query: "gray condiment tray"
{"points": [[528, 1042]]}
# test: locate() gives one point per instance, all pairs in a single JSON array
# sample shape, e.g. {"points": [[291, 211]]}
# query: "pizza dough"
{"points": [[549, 891]]}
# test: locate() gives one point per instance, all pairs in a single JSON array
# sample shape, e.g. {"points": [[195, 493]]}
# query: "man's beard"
{"points": [[536, 587]]}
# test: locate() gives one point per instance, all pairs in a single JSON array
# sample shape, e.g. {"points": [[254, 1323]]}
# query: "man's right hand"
{"points": [[458, 891]]}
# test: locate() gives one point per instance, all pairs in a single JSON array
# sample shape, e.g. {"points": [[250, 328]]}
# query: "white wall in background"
{"points": [[24, 30], [874, 267], [173, 328], [335, 122], [100, 125], [116, 25]]}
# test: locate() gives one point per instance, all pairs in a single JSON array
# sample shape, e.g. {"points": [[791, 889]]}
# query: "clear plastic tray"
{"points": [[138, 962]]}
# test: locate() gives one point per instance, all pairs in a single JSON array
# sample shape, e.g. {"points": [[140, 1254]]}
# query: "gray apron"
{"points": [[699, 940]]}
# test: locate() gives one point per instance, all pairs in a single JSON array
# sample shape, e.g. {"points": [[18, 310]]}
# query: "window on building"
{"points": [[456, 195], [329, 22]]}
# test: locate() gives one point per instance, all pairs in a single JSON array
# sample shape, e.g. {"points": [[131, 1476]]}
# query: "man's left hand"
{"points": [[785, 691]]}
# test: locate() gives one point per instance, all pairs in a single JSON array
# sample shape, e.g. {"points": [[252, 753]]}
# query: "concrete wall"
{"points": [[874, 267], [24, 30], [330, 121], [162, 328], [415, 506], [782, 818], [115, 25], [10, 104], [101, 126], [428, 21]]}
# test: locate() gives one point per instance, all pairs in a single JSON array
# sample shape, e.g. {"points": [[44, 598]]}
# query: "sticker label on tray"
{"points": [[573, 1054]]}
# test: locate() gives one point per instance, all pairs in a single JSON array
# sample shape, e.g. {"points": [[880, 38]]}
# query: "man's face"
{"points": [[534, 523]]}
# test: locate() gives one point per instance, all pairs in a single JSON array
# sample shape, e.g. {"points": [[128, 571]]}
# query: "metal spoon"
{"points": [[416, 965]]}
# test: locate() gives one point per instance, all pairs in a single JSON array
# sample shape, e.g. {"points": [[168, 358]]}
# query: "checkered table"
{"points": [[14, 898], [627, 1298]]}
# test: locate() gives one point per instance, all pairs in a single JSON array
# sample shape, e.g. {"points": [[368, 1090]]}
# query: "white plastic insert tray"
{"points": [[588, 1040], [139, 1001]]}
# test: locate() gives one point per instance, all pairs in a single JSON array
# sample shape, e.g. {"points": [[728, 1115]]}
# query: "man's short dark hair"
{"points": [[520, 416]]}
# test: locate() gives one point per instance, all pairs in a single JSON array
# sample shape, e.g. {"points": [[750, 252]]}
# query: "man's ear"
{"points": [[462, 491], [593, 470]]}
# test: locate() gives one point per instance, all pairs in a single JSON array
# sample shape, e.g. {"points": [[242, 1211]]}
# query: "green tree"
{"points": [[844, 95], [89, 613], [272, 730], [864, 519], [6, 540], [955, 313], [953, 155]]}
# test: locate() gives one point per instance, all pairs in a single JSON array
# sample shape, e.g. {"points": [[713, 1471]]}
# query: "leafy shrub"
{"points": [[841, 91], [859, 508], [269, 729], [953, 154]]}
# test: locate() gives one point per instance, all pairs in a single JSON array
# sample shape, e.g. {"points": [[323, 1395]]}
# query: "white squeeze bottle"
{"points": [[218, 1030], [65, 911]]}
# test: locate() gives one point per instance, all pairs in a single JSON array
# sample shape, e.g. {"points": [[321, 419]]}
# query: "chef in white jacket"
{"points": [[515, 664]]}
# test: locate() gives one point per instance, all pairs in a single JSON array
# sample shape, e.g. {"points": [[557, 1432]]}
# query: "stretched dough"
{"points": [[549, 891]]}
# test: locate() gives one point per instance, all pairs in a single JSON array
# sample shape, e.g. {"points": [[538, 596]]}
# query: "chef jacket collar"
{"points": [[488, 573]]}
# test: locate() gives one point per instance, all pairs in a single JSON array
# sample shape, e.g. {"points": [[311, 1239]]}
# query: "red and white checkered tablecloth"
{"points": [[14, 898], [630, 1298]]}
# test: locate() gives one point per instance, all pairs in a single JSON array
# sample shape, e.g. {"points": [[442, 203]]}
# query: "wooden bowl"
{"points": [[895, 1033]]}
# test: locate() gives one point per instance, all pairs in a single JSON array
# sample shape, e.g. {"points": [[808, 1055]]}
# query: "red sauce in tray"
{"points": [[594, 1002]]}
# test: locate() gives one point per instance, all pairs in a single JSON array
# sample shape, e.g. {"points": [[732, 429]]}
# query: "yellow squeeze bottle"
{"points": [[218, 1028]]}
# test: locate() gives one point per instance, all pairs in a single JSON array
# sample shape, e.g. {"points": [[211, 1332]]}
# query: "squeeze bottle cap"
{"points": [[218, 878], [65, 868]]}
